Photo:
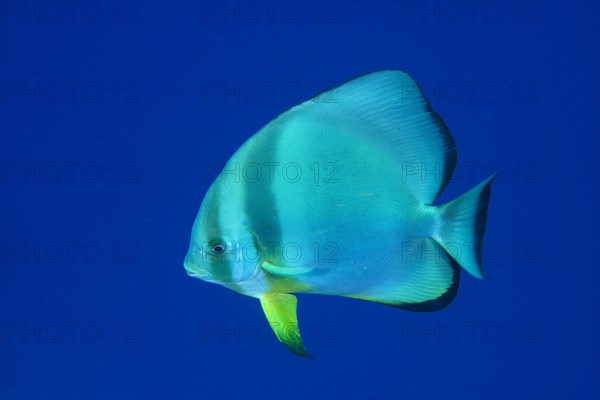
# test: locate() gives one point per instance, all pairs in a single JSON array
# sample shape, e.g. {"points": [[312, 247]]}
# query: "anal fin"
{"points": [[425, 278]]}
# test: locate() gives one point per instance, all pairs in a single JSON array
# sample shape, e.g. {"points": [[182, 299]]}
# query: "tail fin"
{"points": [[462, 225]]}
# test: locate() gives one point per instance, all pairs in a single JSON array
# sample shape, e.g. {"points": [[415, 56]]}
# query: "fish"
{"points": [[337, 196]]}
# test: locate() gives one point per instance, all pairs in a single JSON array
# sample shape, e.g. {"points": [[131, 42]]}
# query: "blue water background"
{"points": [[160, 89]]}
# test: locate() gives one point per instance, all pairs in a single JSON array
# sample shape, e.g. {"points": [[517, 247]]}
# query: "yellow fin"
{"points": [[280, 309]]}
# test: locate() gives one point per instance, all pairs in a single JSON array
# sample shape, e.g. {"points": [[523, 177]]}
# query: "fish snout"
{"points": [[194, 270], [201, 274]]}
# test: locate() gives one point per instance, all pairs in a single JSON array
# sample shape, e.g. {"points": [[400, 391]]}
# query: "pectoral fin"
{"points": [[284, 271], [280, 309]]}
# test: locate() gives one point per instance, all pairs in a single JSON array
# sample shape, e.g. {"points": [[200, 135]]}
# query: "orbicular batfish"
{"points": [[336, 196]]}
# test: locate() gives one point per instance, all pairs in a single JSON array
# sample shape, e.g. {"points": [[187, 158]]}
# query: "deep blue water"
{"points": [[111, 113]]}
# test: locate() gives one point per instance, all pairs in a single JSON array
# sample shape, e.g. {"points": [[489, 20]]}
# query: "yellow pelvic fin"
{"points": [[280, 309]]}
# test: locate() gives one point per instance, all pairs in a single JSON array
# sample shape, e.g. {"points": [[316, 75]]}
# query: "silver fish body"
{"points": [[336, 197]]}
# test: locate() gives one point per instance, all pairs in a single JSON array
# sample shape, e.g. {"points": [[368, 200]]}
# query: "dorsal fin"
{"points": [[389, 108]]}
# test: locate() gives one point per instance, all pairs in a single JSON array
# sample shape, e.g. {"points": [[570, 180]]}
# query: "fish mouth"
{"points": [[205, 276], [196, 272], [200, 275]]}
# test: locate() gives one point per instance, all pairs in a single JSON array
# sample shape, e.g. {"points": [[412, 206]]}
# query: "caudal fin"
{"points": [[462, 226]]}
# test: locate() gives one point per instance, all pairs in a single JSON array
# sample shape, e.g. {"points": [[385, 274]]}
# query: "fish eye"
{"points": [[217, 248]]}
